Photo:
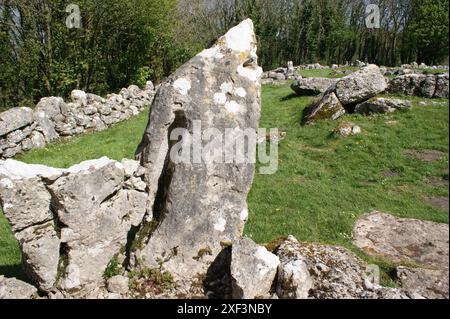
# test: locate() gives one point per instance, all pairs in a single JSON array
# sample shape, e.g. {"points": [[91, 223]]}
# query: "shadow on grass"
{"points": [[15, 271], [289, 97], [304, 115]]}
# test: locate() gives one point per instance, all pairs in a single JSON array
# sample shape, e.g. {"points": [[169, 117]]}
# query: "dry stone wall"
{"points": [[23, 129]]}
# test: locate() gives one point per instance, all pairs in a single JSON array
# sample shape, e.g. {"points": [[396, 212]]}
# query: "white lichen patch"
{"points": [[252, 74], [220, 98], [244, 214], [240, 92], [232, 107], [6, 183], [241, 37], [182, 86], [227, 87], [212, 53], [220, 225], [8, 206]]}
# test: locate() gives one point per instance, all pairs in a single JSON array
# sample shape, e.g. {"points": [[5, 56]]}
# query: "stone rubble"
{"points": [[70, 223], [22, 129], [423, 85], [347, 91]]}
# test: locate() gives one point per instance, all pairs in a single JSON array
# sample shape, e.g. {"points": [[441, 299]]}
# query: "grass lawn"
{"points": [[323, 184]]}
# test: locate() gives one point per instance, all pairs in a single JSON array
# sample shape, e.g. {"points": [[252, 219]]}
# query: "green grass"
{"points": [[323, 184]]}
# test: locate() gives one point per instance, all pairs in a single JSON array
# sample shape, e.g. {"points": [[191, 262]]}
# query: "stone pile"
{"points": [[280, 75], [346, 93], [70, 223], [423, 85], [23, 129]]}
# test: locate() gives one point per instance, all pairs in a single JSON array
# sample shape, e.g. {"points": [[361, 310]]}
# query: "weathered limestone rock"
{"points": [[79, 97], [71, 222], [312, 86], [346, 129], [361, 85], [426, 283], [421, 85], [253, 270], [403, 240], [327, 106], [51, 106], [118, 284], [294, 280], [442, 86], [336, 273], [199, 206], [45, 126], [382, 105], [12, 288], [14, 119], [409, 241]]}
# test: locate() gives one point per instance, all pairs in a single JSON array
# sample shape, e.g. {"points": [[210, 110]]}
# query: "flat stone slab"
{"points": [[403, 240], [426, 283]]}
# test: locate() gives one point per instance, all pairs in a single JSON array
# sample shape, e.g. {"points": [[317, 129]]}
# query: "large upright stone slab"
{"points": [[200, 208]]}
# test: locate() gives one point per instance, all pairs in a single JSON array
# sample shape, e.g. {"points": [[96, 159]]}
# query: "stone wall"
{"points": [[23, 129]]}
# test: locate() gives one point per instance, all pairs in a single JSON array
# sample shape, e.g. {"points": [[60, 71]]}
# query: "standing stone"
{"points": [[290, 69], [253, 270], [96, 191], [200, 206]]}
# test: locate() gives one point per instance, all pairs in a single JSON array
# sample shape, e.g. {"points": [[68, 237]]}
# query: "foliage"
{"points": [[118, 41], [124, 42], [112, 269], [328, 31]]}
